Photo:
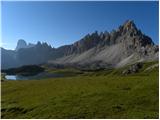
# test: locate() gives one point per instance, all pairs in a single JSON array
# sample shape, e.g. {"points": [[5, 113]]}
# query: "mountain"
{"points": [[8, 58], [120, 47], [22, 44], [38, 54], [123, 46]]}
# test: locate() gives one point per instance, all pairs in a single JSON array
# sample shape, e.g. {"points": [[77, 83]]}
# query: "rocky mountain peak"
{"points": [[129, 24], [127, 34], [21, 44]]}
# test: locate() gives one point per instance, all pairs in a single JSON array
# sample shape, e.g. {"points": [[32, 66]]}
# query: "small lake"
{"points": [[10, 77], [35, 77]]}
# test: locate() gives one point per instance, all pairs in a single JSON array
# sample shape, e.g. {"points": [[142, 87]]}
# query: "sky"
{"points": [[61, 23]]}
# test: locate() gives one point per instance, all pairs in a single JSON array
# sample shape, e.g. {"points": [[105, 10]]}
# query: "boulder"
{"points": [[133, 69]]}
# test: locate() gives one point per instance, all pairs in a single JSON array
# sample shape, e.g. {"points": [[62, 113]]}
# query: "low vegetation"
{"points": [[99, 94], [26, 70]]}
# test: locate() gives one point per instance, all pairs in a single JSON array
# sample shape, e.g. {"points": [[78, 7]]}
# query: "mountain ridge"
{"points": [[122, 46], [23, 44]]}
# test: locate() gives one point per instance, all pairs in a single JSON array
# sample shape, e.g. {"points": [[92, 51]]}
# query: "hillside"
{"points": [[99, 94]]}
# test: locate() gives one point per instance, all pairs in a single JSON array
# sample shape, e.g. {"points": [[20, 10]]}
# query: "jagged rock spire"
{"points": [[129, 24], [21, 44]]}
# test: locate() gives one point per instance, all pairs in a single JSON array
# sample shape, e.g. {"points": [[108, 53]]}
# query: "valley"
{"points": [[102, 75], [92, 94], [79, 59]]}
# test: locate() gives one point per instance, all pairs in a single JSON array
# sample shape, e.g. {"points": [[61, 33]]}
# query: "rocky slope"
{"points": [[122, 46]]}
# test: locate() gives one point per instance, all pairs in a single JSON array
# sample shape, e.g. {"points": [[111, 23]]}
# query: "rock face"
{"points": [[38, 54], [22, 44], [125, 45]]}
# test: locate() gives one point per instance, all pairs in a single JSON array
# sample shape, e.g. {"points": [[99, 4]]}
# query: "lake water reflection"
{"points": [[10, 77], [39, 76]]}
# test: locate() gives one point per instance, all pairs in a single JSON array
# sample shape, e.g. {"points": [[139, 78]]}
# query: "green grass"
{"points": [[66, 72], [102, 94]]}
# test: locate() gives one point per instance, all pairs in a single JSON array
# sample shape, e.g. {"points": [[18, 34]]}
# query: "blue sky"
{"points": [[60, 23]]}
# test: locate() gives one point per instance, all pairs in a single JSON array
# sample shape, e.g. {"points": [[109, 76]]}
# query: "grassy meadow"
{"points": [[100, 94]]}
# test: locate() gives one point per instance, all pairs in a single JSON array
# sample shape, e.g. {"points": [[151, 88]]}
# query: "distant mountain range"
{"points": [[125, 45]]}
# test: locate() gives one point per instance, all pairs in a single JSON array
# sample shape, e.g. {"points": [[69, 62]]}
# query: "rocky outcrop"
{"points": [[133, 69]]}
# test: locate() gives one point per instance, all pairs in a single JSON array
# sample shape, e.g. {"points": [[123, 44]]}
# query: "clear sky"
{"points": [[60, 23]]}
